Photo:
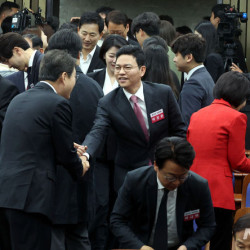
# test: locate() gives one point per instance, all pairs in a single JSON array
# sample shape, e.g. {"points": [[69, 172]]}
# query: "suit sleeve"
{"points": [[206, 223], [119, 220], [6, 96], [190, 100], [177, 125], [63, 140], [100, 129], [236, 144]]}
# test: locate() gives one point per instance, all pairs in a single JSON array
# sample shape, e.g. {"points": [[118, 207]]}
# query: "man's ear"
{"points": [[189, 57], [63, 77], [101, 34], [155, 167], [17, 50]]}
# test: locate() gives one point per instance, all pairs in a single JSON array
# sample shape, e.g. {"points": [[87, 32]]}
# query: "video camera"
{"points": [[228, 29], [26, 18]]}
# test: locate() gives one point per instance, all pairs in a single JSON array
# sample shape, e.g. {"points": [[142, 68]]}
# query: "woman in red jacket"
{"points": [[217, 133]]}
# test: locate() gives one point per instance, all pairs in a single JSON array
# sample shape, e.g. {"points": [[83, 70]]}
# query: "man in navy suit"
{"points": [[197, 91], [90, 30], [36, 139], [74, 201], [16, 53], [156, 205], [137, 133]]}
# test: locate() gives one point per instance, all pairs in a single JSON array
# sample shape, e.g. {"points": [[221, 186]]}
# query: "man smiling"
{"points": [[90, 30], [140, 113]]}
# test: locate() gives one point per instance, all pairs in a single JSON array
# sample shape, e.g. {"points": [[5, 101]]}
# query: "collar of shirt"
{"points": [[90, 55], [50, 86], [193, 70], [139, 93], [32, 59]]}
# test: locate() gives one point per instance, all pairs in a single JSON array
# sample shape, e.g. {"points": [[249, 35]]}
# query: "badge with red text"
{"points": [[157, 116], [192, 215]]}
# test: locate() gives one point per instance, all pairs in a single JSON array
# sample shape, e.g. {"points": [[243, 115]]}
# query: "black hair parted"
{"points": [[134, 51], [175, 149], [90, 18]]}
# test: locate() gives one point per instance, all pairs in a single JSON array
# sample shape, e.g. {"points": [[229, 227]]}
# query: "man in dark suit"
{"points": [[74, 201], [157, 204], [90, 30], [197, 91], [117, 23], [137, 133], [7, 92], [38, 121], [16, 53]]}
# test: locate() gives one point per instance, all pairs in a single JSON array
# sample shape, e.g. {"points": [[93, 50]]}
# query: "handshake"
{"points": [[85, 161]]}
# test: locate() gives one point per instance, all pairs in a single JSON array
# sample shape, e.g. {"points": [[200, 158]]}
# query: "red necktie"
{"points": [[139, 115]]}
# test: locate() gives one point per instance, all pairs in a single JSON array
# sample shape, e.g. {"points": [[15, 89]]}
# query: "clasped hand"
{"points": [[85, 162]]}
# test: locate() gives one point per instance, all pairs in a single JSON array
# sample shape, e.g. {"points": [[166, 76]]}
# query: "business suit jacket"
{"points": [[99, 76], [18, 77], [197, 93], [7, 92], [133, 150], [74, 200], [36, 136], [217, 134], [133, 216], [96, 62]]}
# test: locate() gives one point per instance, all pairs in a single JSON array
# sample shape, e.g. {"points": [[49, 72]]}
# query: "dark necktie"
{"points": [[139, 115], [29, 78], [161, 227]]}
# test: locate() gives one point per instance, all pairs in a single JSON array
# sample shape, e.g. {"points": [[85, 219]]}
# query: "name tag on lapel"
{"points": [[191, 215], [157, 116]]}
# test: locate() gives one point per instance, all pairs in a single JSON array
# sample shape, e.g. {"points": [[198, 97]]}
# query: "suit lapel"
{"points": [[182, 198], [127, 112]]}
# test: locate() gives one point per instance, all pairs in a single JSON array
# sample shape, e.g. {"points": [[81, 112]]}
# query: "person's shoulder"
{"points": [[140, 173]]}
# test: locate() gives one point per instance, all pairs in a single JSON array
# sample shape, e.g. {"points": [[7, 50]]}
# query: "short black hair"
{"points": [[6, 24], [54, 63], [241, 224], [112, 41], [219, 9], [183, 30], [53, 22], [149, 22], [134, 51], [66, 40], [175, 149], [104, 10], [190, 44], [167, 18], [10, 40], [232, 87], [92, 17], [10, 4], [116, 17], [156, 40], [36, 40], [69, 26]]}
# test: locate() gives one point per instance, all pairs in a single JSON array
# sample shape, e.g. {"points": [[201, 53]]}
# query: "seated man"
{"points": [[156, 205], [241, 233]]}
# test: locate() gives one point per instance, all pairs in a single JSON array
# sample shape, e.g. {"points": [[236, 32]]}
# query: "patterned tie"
{"points": [[161, 227], [139, 115]]}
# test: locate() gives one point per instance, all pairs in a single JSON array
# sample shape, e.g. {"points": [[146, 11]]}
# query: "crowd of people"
{"points": [[119, 133]]}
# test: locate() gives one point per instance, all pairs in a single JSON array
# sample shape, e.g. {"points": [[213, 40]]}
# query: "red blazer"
{"points": [[217, 133]]}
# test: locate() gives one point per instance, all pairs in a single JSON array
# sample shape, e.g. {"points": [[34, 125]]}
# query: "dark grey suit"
{"points": [[133, 215]]}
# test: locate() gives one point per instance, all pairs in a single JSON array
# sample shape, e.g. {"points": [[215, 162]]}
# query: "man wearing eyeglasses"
{"points": [[140, 113], [117, 23], [157, 204]]}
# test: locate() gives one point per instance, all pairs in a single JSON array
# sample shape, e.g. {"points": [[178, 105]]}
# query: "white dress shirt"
{"points": [[173, 239], [141, 101], [108, 86], [25, 75], [84, 64], [50, 86], [187, 76]]}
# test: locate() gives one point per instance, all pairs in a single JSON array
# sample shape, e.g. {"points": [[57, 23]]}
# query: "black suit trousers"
{"points": [[24, 231]]}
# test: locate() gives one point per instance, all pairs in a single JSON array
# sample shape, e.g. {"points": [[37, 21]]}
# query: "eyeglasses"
{"points": [[117, 32], [175, 178], [126, 68]]}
